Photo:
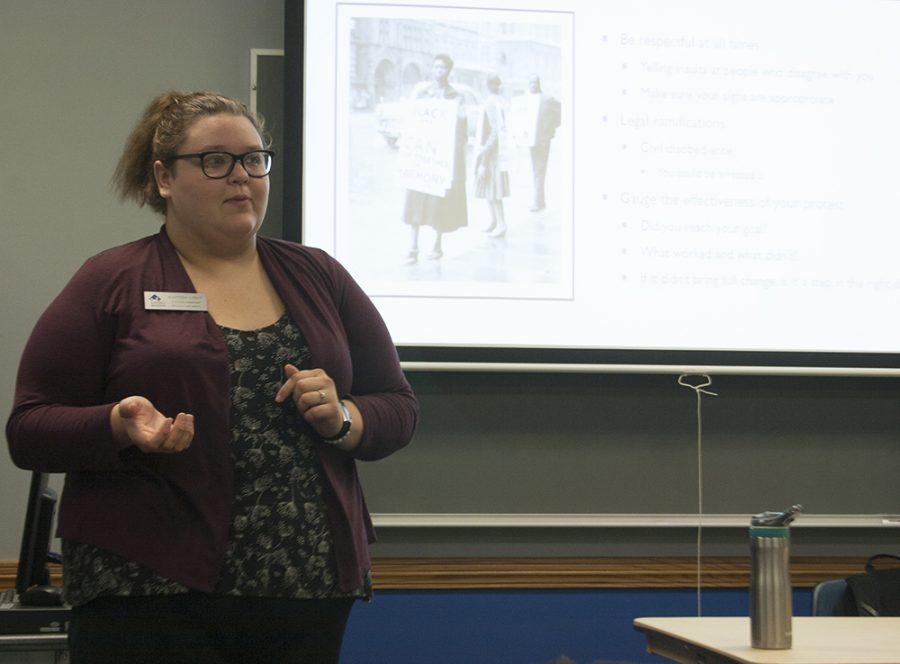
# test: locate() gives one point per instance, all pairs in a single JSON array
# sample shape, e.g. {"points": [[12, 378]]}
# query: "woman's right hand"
{"points": [[135, 421]]}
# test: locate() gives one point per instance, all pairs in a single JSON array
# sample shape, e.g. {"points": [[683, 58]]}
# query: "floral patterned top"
{"points": [[280, 542]]}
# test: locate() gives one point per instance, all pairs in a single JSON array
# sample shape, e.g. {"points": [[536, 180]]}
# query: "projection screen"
{"points": [[719, 188]]}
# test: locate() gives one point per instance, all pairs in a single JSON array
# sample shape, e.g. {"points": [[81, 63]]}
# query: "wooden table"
{"points": [[822, 640]]}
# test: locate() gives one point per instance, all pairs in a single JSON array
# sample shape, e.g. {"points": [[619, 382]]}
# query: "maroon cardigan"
{"points": [[96, 344]]}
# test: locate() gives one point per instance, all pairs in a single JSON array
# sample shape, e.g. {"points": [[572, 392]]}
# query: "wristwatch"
{"points": [[341, 435]]}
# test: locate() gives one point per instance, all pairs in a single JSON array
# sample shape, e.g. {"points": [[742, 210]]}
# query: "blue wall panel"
{"points": [[523, 626]]}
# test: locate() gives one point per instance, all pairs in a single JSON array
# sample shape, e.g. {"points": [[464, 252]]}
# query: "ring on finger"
{"points": [[321, 395]]}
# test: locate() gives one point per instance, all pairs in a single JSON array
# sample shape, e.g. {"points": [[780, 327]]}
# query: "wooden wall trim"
{"points": [[8, 574], [549, 573], [470, 573]]}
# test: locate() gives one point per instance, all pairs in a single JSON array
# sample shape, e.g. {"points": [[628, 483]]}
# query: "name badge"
{"points": [[162, 301]]}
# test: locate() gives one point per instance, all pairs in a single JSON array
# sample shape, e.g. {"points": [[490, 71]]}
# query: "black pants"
{"points": [[197, 628]]}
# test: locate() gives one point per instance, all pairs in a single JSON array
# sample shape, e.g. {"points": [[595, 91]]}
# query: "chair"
{"points": [[827, 597]]}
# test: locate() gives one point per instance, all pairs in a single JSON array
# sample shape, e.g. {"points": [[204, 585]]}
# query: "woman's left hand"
{"points": [[315, 396]]}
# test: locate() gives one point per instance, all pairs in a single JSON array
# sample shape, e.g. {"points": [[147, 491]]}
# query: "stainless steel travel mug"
{"points": [[770, 587]]}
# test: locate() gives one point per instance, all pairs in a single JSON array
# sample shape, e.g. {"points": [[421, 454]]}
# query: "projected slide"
{"points": [[640, 174]]}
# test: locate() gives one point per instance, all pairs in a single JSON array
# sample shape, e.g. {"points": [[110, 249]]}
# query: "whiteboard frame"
{"points": [[486, 520], [709, 370]]}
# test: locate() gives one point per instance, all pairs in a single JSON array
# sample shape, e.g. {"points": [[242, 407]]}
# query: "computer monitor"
{"points": [[33, 575]]}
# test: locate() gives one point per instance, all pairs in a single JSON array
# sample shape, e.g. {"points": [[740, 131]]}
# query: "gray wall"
{"points": [[74, 77], [583, 444]]}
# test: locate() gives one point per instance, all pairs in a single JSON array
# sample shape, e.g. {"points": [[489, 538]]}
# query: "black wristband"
{"points": [[345, 427]]}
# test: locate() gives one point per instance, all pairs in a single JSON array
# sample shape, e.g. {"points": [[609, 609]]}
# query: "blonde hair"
{"points": [[158, 133]]}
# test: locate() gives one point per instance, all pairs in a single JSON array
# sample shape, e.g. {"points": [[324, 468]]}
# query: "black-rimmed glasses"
{"points": [[218, 165]]}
